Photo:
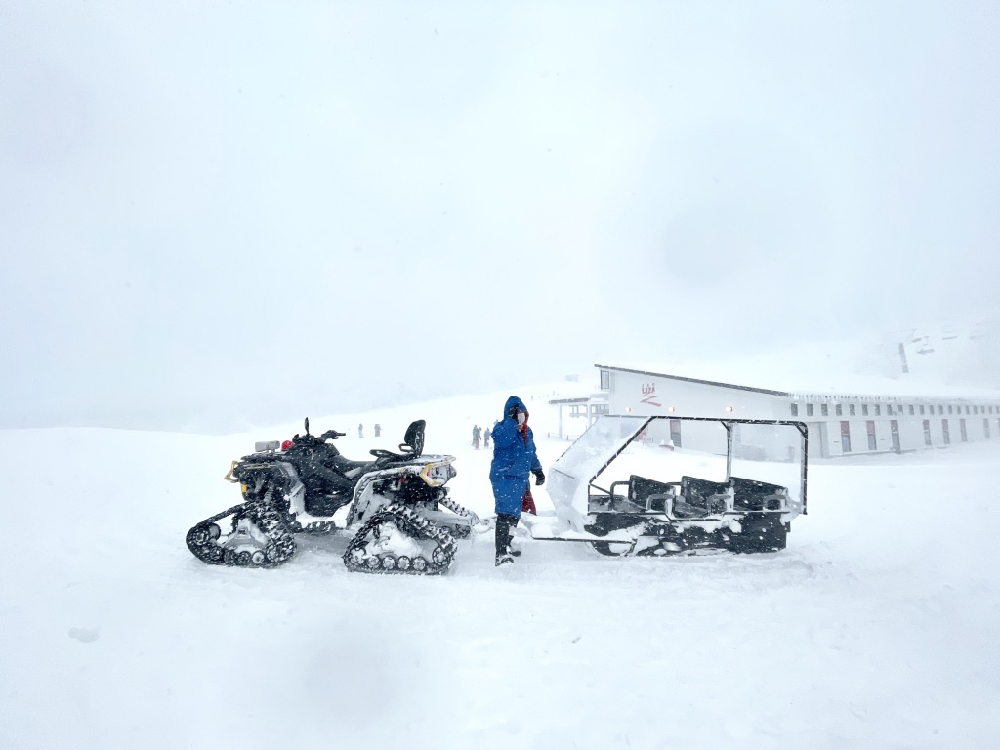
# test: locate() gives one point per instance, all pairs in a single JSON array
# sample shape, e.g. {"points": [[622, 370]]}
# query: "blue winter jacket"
{"points": [[513, 461]]}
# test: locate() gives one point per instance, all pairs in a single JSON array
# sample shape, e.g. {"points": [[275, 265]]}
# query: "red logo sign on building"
{"points": [[649, 394]]}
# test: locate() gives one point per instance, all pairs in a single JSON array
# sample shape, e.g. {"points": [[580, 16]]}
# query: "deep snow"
{"points": [[877, 627]]}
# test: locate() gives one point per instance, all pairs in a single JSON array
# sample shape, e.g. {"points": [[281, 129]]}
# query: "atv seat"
{"points": [[347, 467], [753, 494], [703, 497], [649, 494], [411, 447]]}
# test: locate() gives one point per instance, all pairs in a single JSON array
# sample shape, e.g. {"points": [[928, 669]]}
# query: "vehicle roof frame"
{"points": [[728, 423]]}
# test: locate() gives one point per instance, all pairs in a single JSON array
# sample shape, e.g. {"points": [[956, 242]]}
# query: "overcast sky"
{"points": [[215, 215]]}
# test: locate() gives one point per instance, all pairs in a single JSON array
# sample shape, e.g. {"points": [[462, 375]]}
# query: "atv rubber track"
{"points": [[413, 526], [203, 538]]}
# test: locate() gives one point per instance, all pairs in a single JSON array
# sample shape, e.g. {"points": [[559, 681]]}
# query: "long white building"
{"points": [[846, 414]]}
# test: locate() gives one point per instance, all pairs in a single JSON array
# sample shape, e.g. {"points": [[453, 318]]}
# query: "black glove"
{"points": [[539, 476]]}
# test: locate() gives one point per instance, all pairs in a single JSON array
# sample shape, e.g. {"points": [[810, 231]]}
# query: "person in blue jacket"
{"points": [[513, 460]]}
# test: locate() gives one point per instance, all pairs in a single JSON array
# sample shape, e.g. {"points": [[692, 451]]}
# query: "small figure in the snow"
{"points": [[475, 436], [514, 460], [486, 438], [378, 429], [361, 430]]}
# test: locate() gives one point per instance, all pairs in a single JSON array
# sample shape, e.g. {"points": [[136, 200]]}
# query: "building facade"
{"points": [[839, 424]]}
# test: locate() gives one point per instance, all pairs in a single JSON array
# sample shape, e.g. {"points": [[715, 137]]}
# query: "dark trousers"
{"points": [[503, 534]]}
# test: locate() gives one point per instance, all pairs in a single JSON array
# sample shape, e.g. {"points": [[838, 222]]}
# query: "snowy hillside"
{"points": [[875, 628]]}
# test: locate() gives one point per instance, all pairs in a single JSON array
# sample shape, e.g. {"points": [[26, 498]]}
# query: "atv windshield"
{"points": [[668, 449]]}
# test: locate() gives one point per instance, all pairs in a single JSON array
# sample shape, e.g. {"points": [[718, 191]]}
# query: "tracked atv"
{"points": [[400, 517], [631, 486]]}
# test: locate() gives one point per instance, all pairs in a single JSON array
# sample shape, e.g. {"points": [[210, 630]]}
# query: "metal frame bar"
{"points": [[727, 423]]}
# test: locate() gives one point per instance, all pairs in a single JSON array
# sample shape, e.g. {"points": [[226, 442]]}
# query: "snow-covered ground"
{"points": [[876, 628]]}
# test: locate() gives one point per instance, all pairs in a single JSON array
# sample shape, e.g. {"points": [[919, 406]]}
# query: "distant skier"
{"points": [[513, 460], [378, 429], [475, 436], [486, 438], [360, 430]]}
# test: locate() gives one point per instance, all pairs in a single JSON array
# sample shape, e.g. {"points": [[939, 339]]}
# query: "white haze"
{"points": [[216, 215]]}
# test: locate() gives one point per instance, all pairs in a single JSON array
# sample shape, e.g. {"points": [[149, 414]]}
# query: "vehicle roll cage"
{"points": [[725, 422]]}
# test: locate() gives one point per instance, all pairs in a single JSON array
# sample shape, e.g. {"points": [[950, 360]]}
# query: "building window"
{"points": [[795, 410], [824, 410], [927, 432], [878, 410], [944, 432], [850, 409], [605, 380], [839, 409], [921, 408], [845, 436], [961, 431], [949, 409], [871, 435], [911, 410], [889, 410], [966, 409], [940, 409], [986, 427], [864, 410], [809, 410]]}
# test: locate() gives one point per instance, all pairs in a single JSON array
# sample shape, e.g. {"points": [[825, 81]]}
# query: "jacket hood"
{"points": [[511, 402]]}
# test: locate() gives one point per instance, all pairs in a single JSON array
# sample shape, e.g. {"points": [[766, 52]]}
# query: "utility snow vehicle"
{"points": [[631, 485], [400, 517]]}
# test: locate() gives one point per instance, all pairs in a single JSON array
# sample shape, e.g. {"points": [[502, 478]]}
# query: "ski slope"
{"points": [[876, 628]]}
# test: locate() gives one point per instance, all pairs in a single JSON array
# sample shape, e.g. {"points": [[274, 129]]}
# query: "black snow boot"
{"points": [[503, 538]]}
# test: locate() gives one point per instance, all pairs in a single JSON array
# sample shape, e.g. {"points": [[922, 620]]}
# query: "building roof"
{"points": [[595, 399], [692, 380], [805, 378]]}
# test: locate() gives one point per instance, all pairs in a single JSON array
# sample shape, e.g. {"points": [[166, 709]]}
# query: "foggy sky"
{"points": [[215, 215]]}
